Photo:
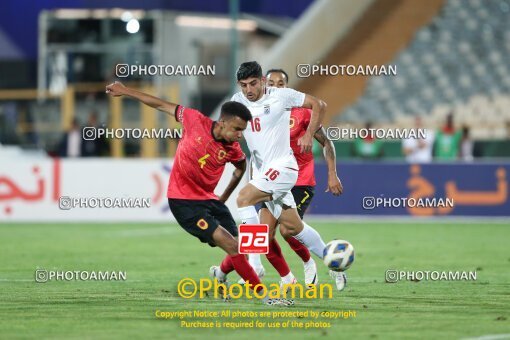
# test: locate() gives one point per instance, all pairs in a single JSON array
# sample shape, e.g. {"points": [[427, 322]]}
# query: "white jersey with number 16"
{"points": [[268, 133]]}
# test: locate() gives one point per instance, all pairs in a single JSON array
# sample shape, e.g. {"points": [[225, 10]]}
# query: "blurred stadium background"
{"points": [[452, 58]]}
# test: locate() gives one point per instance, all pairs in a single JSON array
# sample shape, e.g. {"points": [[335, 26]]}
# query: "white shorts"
{"points": [[277, 178]]}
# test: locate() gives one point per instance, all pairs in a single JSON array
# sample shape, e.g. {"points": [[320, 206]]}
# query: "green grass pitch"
{"points": [[157, 256]]}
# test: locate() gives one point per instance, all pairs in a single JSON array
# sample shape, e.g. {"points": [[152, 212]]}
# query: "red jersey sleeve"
{"points": [[187, 117]]}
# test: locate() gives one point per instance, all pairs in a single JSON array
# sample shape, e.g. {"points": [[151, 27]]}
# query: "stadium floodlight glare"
{"points": [[210, 22], [133, 26]]}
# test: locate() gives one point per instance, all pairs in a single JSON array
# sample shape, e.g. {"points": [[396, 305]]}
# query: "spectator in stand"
{"points": [[419, 150], [72, 142], [447, 141], [466, 146]]}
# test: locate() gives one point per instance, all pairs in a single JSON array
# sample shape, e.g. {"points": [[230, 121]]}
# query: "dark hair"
{"points": [[249, 69], [278, 70], [235, 109]]}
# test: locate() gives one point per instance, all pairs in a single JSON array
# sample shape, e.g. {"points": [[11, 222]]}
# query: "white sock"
{"points": [[221, 276], [248, 215], [255, 261], [288, 278], [312, 240]]}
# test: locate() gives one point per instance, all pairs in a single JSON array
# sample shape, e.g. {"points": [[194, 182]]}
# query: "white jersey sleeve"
{"points": [[290, 97]]}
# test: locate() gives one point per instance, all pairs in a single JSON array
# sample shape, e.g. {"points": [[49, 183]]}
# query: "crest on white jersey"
{"points": [[267, 109]]}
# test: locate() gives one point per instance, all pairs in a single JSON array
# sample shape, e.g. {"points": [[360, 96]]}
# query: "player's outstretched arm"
{"points": [[234, 181], [318, 110], [334, 183], [117, 89]]}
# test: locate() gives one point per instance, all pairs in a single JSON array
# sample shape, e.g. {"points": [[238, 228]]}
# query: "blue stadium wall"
{"points": [[475, 189]]}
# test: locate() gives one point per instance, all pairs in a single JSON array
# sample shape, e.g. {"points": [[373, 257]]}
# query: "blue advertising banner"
{"points": [[417, 190]]}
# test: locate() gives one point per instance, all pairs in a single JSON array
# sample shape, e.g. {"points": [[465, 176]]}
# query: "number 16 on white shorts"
{"points": [[278, 179]]}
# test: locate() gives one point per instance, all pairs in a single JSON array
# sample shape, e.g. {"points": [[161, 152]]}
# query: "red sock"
{"points": [[299, 248], [244, 269], [275, 257], [226, 265]]}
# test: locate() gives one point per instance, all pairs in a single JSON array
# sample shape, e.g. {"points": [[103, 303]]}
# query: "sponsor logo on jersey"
{"points": [[267, 109]]}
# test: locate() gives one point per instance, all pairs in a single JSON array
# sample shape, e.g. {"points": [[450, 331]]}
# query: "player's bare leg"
{"points": [[223, 239], [292, 225], [309, 265], [290, 222], [250, 195], [310, 268]]}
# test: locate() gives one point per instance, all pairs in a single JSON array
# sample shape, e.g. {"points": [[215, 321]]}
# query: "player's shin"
{"points": [[226, 266], [243, 268], [312, 240]]}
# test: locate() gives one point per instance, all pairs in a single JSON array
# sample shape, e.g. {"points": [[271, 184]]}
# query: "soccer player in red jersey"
{"points": [[206, 146]]}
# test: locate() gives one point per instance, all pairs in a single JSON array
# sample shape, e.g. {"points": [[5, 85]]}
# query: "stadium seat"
{"points": [[455, 63]]}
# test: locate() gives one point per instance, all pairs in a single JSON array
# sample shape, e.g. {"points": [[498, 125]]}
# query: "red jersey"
{"points": [[200, 159], [299, 121]]}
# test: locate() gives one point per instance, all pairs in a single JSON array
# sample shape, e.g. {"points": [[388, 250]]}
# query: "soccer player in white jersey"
{"points": [[268, 139]]}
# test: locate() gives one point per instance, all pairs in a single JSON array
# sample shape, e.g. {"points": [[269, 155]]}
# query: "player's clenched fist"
{"points": [[115, 89], [335, 185]]}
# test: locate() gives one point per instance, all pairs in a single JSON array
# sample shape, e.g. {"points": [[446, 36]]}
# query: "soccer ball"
{"points": [[338, 255]]}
